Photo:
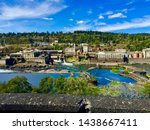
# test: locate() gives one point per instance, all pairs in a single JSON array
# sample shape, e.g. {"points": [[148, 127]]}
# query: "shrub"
{"points": [[69, 85], [3, 88], [19, 84], [147, 88]]}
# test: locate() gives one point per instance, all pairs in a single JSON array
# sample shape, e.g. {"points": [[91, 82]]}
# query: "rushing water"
{"points": [[6, 71]]}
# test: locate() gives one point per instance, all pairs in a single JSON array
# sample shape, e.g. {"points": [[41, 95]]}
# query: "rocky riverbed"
{"points": [[53, 71], [34, 68], [30, 67]]}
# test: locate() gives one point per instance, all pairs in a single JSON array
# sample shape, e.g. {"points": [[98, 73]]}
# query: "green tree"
{"points": [[3, 87], [59, 84], [19, 84], [46, 85], [147, 88], [69, 85], [35, 90]]}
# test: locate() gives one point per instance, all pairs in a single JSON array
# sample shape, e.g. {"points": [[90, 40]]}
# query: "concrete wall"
{"points": [[146, 53], [70, 51], [140, 61], [111, 55], [69, 103], [3, 62], [85, 49], [28, 55], [36, 59]]}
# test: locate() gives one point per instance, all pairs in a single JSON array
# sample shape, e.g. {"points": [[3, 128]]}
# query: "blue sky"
{"points": [[127, 16]]}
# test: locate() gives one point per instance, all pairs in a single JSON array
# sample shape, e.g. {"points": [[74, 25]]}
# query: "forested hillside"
{"points": [[133, 42]]}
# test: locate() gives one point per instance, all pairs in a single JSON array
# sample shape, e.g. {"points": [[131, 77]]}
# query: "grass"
{"points": [[127, 71], [148, 75], [109, 92], [72, 59], [116, 84], [116, 70], [91, 68]]}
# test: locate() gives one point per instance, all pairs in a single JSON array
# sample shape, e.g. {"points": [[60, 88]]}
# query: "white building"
{"points": [[2, 61], [121, 50], [70, 51], [111, 55], [85, 49], [146, 53], [16, 55], [56, 41], [28, 54]]}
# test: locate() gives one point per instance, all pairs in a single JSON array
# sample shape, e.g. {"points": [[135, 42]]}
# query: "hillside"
{"points": [[133, 42]]}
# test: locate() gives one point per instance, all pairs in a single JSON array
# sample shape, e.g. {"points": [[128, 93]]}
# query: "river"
{"points": [[103, 76]]}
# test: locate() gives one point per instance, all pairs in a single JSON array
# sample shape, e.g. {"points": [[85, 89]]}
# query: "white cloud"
{"points": [[81, 27], [80, 22], [108, 13], [85, 25], [71, 20], [96, 23], [131, 2], [101, 24], [135, 23], [105, 13], [101, 17], [105, 27], [124, 10], [117, 15], [45, 8], [50, 19], [127, 10]]}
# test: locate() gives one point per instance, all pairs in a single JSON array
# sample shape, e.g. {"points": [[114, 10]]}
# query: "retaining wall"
{"points": [[69, 103], [139, 61]]}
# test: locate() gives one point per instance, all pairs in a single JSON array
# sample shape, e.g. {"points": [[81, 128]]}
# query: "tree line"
{"points": [[133, 42], [60, 85], [71, 85]]}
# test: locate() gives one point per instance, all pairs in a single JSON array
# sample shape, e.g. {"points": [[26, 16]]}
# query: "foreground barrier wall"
{"points": [[69, 103]]}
